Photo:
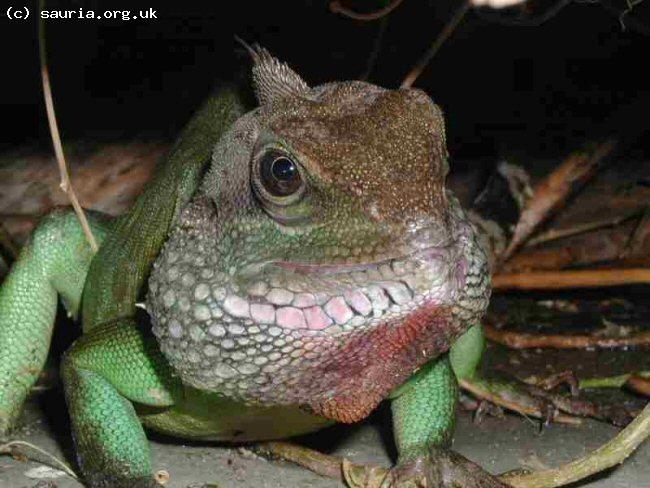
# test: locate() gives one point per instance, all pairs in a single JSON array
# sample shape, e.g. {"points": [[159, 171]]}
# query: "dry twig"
{"points": [[56, 138], [526, 410], [16, 447], [376, 48], [554, 234], [522, 340], [554, 190], [318, 462], [639, 384], [639, 237], [437, 44], [606, 245], [557, 280]]}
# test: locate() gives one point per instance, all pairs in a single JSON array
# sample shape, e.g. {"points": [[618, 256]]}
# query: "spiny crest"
{"points": [[273, 79]]}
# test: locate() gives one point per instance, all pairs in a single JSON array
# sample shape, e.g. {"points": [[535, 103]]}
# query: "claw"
{"points": [[440, 468], [361, 476], [486, 408]]}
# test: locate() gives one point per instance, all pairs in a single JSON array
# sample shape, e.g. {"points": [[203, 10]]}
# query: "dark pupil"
{"points": [[279, 174], [283, 169]]}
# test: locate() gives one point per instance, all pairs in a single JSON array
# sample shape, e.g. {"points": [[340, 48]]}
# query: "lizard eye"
{"points": [[279, 175]]}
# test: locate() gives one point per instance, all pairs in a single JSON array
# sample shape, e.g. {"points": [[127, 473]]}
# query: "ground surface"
{"points": [[496, 444]]}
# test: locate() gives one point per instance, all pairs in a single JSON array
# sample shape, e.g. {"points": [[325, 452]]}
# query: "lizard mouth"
{"points": [[345, 297], [329, 269]]}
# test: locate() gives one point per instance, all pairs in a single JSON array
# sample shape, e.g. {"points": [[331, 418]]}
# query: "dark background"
{"points": [[507, 90]]}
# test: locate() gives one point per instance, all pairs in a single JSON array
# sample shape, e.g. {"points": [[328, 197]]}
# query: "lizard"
{"points": [[297, 265]]}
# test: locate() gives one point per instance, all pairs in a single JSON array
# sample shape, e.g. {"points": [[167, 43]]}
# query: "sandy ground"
{"points": [[497, 444]]}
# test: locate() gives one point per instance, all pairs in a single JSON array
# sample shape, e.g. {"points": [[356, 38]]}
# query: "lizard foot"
{"points": [[440, 468]]}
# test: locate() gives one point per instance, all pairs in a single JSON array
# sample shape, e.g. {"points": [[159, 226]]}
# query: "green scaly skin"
{"points": [[214, 368], [54, 262]]}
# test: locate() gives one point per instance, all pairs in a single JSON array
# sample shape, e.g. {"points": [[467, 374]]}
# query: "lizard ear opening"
{"points": [[273, 79]]}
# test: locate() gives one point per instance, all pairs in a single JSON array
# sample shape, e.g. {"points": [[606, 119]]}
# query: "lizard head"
{"points": [[322, 261]]}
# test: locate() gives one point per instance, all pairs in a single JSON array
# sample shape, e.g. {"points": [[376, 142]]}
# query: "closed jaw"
{"points": [[324, 298]]}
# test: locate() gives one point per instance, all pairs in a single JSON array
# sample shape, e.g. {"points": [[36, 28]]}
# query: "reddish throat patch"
{"points": [[361, 369]]}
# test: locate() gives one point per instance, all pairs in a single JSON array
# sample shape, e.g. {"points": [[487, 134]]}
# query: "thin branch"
{"points": [[56, 138], [553, 191], [606, 245], [11, 448], [609, 455], [318, 462], [522, 340], [555, 234], [337, 8], [437, 44], [639, 235], [376, 48], [526, 410], [556, 280], [630, 6], [615, 414], [639, 384]]}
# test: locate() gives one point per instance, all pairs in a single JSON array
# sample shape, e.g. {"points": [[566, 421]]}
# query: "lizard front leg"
{"points": [[103, 373], [423, 422], [53, 263]]}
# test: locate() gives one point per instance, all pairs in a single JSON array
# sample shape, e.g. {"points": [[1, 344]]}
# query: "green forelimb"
{"points": [[423, 423], [424, 410], [424, 407], [53, 263], [107, 369]]}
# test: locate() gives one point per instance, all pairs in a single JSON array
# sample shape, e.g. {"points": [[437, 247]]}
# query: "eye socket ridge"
{"points": [[279, 176]]}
